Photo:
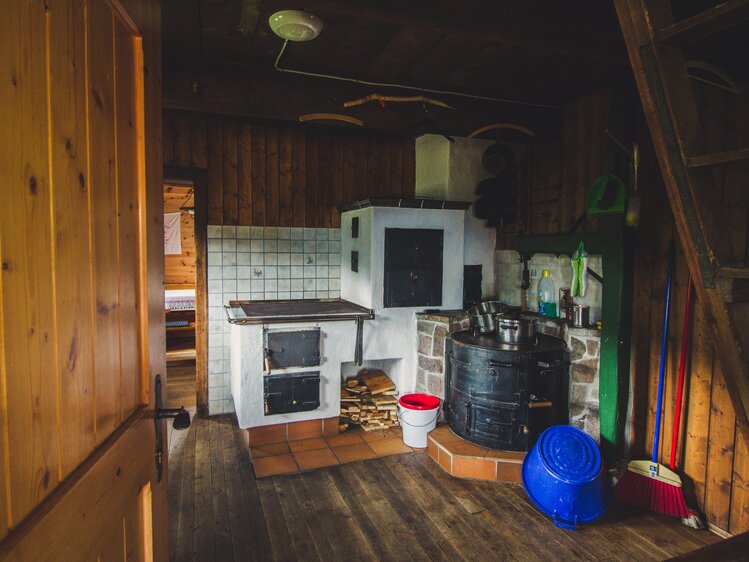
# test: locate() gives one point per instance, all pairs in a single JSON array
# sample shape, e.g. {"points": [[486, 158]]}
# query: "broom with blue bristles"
{"points": [[649, 484]]}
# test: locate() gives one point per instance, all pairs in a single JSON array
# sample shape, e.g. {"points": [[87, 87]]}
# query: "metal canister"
{"points": [[579, 315]]}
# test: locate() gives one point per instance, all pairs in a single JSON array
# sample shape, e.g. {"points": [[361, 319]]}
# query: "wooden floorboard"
{"points": [[398, 508]]}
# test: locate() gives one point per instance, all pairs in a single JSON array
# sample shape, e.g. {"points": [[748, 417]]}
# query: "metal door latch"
{"points": [[181, 421]]}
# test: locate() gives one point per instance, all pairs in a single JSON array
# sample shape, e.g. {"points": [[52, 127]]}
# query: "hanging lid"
{"points": [[570, 454]]}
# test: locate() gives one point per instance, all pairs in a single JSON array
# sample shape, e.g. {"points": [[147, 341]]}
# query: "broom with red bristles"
{"points": [[649, 484]]}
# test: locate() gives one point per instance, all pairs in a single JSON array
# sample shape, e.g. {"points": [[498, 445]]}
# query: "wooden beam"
{"points": [[672, 118], [247, 91], [717, 158], [480, 22], [704, 24]]}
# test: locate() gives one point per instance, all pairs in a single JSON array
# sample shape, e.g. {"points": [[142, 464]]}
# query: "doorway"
{"points": [[185, 290]]}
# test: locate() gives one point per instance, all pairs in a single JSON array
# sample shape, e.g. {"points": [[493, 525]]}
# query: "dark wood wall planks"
{"points": [[264, 175]]}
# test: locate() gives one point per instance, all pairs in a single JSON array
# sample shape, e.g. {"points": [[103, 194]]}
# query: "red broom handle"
{"points": [[682, 369]]}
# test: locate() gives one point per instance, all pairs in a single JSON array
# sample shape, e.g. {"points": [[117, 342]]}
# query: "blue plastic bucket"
{"points": [[563, 475]]}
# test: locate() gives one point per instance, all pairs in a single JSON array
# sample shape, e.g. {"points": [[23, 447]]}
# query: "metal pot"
{"points": [[515, 329], [579, 315], [488, 307], [482, 323]]}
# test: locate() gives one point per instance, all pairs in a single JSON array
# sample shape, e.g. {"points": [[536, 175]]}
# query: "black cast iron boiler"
{"points": [[502, 396]]}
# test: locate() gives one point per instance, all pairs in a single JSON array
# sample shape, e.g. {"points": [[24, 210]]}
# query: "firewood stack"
{"points": [[369, 400]]}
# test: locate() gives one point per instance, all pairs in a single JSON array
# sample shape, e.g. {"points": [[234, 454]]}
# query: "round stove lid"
{"points": [[570, 454], [489, 341]]}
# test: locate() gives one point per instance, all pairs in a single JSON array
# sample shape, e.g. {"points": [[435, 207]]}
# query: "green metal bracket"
{"points": [[614, 244]]}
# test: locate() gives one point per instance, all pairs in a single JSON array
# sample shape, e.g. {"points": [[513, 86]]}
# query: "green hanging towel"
{"points": [[579, 264]]}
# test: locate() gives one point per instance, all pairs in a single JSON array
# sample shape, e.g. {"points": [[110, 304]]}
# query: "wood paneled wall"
{"points": [[265, 175], [72, 343], [179, 270], [712, 455]]}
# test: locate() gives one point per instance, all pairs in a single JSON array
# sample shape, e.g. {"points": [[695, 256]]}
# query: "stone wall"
{"points": [[431, 331], [585, 355]]}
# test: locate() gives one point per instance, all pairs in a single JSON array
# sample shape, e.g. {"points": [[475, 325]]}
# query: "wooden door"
{"points": [[81, 307]]}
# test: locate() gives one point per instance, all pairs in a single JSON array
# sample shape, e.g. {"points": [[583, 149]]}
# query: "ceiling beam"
{"points": [[235, 89], [550, 33]]}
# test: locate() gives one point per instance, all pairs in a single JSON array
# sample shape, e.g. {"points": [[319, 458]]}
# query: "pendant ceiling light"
{"points": [[295, 25]]}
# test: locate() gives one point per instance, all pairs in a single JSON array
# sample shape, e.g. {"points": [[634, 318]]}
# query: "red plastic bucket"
{"points": [[418, 415]]}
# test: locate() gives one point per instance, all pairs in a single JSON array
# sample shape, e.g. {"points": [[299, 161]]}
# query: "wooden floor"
{"points": [[180, 384], [397, 508]]}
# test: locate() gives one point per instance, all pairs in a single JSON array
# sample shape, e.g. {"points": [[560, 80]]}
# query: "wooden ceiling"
{"points": [[219, 53]]}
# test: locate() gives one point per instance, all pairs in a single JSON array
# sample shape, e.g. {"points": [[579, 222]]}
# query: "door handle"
{"points": [[181, 421]]}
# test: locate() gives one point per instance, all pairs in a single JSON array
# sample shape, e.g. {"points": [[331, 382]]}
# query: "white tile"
{"points": [[244, 272], [334, 294], [310, 272], [297, 246], [272, 296], [284, 232], [216, 299], [214, 367], [214, 245], [214, 285], [322, 246], [297, 285], [284, 259], [243, 232], [229, 245], [321, 294], [216, 326], [321, 234], [258, 296], [334, 272], [227, 352], [297, 233], [271, 272], [214, 378], [215, 313], [228, 286], [243, 259], [226, 367], [284, 245], [214, 231], [297, 295], [243, 245], [257, 285], [215, 258], [244, 284], [258, 272], [335, 247], [229, 258], [284, 285], [256, 232], [226, 339], [215, 352], [256, 245], [244, 296], [257, 258], [321, 259], [309, 285], [284, 295], [284, 271], [321, 271], [271, 285], [334, 234], [309, 246], [229, 272], [334, 259], [215, 340], [214, 272], [309, 259], [322, 284], [230, 231], [296, 271], [297, 259], [310, 295], [270, 245], [270, 233], [334, 284], [309, 234], [271, 258]]}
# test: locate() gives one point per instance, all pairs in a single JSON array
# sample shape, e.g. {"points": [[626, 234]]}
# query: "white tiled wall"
{"points": [[262, 263], [509, 270]]}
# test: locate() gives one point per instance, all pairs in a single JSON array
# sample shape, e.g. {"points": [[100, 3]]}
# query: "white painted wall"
{"points": [[450, 171]]}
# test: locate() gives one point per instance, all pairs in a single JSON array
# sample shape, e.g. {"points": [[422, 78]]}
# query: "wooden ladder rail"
{"points": [[671, 113]]}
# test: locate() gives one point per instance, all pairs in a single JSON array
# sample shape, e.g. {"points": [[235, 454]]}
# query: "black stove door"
{"points": [[413, 267]]}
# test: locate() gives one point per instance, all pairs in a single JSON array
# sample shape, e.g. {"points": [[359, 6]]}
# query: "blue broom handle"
{"points": [[664, 353]]}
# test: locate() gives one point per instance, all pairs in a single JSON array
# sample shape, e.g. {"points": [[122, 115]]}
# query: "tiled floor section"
{"points": [[271, 459], [462, 459]]}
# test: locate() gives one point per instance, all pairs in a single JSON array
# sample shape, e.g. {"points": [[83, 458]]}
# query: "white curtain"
{"points": [[172, 239]]}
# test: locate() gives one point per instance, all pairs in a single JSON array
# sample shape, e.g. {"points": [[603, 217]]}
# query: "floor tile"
{"points": [[307, 444], [465, 448], [353, 453], [345, 439], [387, 447], [315, 459], [271, 466], [443, 434], [267, 434], [479, 469], [305, 429], [270, 450]]}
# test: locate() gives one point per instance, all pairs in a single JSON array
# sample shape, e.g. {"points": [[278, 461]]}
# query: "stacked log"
{"points": [[370, 400]]}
